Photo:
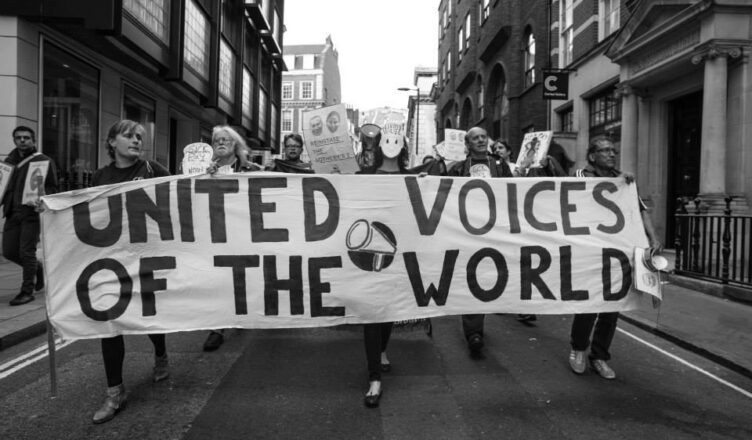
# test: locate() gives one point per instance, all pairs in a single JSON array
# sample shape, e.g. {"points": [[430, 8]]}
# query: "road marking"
{"points": [[686, 363], [29, 358]]}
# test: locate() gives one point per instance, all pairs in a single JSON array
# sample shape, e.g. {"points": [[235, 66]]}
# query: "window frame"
{"points": [[302, 86]]}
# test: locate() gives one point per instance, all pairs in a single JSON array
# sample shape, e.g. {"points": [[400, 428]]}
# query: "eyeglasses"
{"points": [[607, 151], [223, 141]]}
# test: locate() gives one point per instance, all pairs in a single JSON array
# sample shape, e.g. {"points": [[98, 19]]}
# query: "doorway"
{"points": [[684, 155]]}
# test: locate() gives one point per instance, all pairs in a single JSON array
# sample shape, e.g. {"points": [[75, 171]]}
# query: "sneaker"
{"points": [[161, 368], [601, 367], [22, 298], [475, 344], [577, 361], [214, 341], [115, 401]]}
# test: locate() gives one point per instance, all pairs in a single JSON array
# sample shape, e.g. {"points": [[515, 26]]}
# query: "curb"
{"points": [[651, 328], [23, 334]]}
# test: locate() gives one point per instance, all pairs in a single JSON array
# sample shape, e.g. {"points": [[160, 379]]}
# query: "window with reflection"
{"points": [[263, 100], [247, 109], [196, 52], [226, 70], [529, 58], [142, 109], [154, 15], [70, 97]]}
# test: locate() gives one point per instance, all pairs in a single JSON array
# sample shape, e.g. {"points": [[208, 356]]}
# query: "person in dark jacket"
{"points": [[292, 163], [124, 146], [21, 229]]}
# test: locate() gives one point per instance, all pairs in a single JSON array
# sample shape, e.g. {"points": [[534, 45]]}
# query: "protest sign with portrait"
{"points": [[6, 171], [453, 147], [534, 149], [327, 142], [34, 185]]}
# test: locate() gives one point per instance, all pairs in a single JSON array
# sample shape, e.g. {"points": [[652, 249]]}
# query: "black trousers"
{"points": [[113, 354], [20, 238], [472, 325], [376, 337], [603, 334]]}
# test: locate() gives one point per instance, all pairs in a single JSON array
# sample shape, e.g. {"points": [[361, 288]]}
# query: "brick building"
{"points": [[670, 83], [312, 81], [490, 56], [421, 115], [179, 67]]}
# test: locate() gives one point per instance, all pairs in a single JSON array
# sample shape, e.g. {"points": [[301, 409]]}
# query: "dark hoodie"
{"points": [[14, 193]]}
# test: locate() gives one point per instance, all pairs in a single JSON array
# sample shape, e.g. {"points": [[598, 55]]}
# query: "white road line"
{"points": [[686, 363], [29, 358]]}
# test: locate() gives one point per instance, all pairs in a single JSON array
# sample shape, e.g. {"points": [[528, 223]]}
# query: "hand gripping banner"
{"points": [[265, 250]]}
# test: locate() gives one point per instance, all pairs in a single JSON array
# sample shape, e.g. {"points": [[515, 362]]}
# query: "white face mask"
{"points": [[391, 145]]}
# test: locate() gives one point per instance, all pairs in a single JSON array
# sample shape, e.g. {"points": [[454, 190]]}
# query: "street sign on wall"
{"points": [[555, 84]]}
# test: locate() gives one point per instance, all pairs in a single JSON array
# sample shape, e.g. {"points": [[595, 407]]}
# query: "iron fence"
{"points": [[714, 247]]}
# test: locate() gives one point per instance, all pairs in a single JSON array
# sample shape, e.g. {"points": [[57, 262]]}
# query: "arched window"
{"points": [[529, 58]]}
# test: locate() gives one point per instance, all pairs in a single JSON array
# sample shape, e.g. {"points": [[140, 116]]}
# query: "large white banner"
{"points": [[268, 250]]}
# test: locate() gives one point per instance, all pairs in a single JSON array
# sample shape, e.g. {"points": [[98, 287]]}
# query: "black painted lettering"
{"points": [[514, 214], [427, 224], [272, 285], [238, 263], [565, 265], [216, 190], [531, 276], [502, 274], [325, 229], [568, 208], [88, 234], [138, 205], [315, 265], [626, 274], [185, 210], [149, 284], [259, 234], [486, 188], [422, 295], [610, 205], [545, 185], [126, 290]]}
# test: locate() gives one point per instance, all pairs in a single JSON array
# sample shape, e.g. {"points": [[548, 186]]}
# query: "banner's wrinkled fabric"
{"points": [[264, 250]]}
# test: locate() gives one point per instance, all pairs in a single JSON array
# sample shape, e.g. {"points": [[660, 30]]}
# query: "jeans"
{"points": [[605, 327], [20, 238]]}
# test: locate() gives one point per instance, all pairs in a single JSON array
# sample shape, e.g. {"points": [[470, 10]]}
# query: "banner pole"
{"points": [[51, 352]]}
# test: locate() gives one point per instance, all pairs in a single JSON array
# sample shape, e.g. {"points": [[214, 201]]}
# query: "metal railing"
{"points": [[713, 247]]}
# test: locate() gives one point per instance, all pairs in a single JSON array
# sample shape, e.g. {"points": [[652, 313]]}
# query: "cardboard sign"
{"points": [[34, 184], [277, 251], [197, 157], [453, 147], [6, 172], [645, 279], [534, 149], [326, 140]]}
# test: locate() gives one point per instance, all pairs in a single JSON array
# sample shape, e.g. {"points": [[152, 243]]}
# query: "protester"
{"points": [[291, 163], [21, 229], [503, 151], [477, 164], [124, 146], [601, 157], [229, 150]]}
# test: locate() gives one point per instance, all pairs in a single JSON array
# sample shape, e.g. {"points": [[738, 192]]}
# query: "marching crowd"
{"points": [[124, 145]]}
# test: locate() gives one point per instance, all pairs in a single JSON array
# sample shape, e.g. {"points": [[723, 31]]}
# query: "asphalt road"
{"points": [[309, 383]]}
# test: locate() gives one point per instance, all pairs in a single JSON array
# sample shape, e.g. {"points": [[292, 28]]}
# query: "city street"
{"points": [[309, 383]]}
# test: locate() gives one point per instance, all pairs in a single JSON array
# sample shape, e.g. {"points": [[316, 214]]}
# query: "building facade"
{"points": [[311, 81], [671, 83], [178, 67], [490, 56], [421, 115]]}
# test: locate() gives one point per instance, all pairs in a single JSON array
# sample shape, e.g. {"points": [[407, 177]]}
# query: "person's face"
{"points": [[604, 156], [23, 140], [332, 123], [502, 151], [292, 149], [477, 141], [128, 145], [223, 144], [317, 125]]}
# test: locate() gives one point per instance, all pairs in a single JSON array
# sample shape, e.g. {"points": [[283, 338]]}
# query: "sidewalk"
{"points": [[716, 328]]}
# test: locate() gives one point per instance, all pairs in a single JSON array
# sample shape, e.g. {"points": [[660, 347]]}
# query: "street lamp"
{"points": [[417, 113]]}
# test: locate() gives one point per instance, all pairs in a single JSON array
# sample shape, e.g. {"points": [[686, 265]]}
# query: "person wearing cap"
{"points": [[601, 157], [477, 164]]}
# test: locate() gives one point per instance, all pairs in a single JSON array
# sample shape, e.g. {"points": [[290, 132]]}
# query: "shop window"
{"points": [[566, 120], [226, 70], [605, 113], [142, 109], [196, 52], [70, 97], [154, 15]]}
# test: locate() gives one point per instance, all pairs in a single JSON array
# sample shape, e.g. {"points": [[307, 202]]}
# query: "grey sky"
{"points": [[379, 42]]}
